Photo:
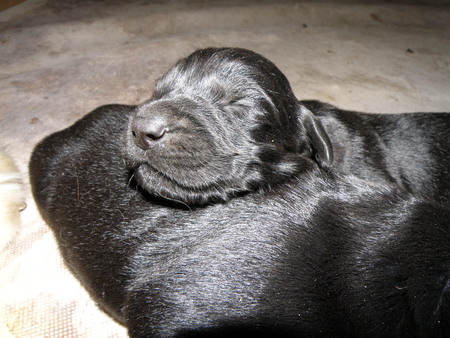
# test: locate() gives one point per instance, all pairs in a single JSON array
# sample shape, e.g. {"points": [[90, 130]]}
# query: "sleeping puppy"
{"points": [[260, 127], [222, 206]]}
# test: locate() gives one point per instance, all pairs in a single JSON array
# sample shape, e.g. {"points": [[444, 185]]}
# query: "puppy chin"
{"points": [[11, 200], [154, 184]]}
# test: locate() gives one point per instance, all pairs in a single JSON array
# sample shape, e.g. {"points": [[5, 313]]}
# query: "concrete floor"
{"points": [[61, 59]]}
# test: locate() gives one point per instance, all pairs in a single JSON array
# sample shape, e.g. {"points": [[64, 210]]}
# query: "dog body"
{"points": [[223, 206], [409, 150]]}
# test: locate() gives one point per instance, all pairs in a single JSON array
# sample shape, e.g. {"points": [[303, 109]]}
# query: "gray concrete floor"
{"points": [[60, 59]]}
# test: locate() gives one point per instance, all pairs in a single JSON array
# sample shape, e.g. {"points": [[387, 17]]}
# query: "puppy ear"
{"points": [[318, 138]]}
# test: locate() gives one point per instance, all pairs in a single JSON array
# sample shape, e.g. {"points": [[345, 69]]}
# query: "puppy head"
{"points": [[221, 122]]}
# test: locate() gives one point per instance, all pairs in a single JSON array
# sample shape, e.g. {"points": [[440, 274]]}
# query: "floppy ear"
{"points": [[318, 137]]}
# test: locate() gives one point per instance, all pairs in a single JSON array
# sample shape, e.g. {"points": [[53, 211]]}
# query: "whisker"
{"points": [[129, 181]]}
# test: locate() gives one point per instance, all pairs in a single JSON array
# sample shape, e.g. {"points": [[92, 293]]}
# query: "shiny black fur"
{"points": [[223, 206]]}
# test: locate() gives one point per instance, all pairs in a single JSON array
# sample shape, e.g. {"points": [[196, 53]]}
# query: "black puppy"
{"points": [[224, 207], [237, 113]]}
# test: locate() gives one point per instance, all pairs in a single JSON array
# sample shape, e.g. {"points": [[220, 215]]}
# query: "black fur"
{"points": [[223, 206]]}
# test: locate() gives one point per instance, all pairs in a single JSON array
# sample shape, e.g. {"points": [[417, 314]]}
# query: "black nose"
{"points": [[147, 131]]}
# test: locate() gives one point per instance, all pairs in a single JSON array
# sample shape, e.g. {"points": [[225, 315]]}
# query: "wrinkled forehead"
{"points": [[208, 77]]}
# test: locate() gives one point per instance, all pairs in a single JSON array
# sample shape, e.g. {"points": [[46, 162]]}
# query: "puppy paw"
{"points": [[11, 199]]}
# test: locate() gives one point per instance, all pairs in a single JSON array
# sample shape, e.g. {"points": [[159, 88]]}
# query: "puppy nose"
{"points": [[147, 131]]}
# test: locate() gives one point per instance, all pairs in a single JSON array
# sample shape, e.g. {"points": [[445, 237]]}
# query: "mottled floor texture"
{"points": [[60, 59]]}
